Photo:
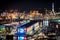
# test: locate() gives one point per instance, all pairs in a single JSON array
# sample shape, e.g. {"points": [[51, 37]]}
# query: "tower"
{"points": [[53, 9]]}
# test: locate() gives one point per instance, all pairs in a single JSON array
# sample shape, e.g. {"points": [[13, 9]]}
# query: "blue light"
{"points": [[20, 30], [20, 38]]}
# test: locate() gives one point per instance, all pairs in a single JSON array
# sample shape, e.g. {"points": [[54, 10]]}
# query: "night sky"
{"points": [[28, 4]]}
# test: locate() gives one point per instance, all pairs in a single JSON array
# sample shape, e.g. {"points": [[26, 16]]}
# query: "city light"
{"points": [[59, 20], [29, 23], [20, 30], [20, 38]]}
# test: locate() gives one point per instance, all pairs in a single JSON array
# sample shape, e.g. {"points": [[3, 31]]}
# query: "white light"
{"points": [[58, 20], [21, 30], [20, 38], [45, 23]]}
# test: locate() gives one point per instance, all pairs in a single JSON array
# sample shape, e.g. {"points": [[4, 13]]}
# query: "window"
{"points": [[45, 23]]}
